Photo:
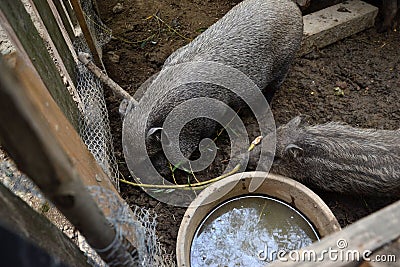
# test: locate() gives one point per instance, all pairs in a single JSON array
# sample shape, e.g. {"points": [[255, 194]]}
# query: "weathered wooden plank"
{"points": [[388, 256], [70, 12], [89, 37], [368, 234], [32, 132], [65, 19], [334, 23], [68, 138], [23, 34], [54, 31], [17, 216]]}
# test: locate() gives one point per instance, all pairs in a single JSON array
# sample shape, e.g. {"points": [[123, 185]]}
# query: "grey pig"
{"points": [[340, 158], [258, 37]]}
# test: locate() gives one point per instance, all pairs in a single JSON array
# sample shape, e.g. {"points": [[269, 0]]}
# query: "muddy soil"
{"points": [[366, 68]]}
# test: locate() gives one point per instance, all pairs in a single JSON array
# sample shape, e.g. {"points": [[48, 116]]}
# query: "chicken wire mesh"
{"points": [[136, 223], [94, 125]]}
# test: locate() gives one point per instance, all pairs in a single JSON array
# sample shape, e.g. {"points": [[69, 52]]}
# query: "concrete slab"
{"points": [[334, 23]]}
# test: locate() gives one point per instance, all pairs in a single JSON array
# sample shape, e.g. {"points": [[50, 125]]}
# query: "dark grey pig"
{"points": [[340, 158], [257, 37]]}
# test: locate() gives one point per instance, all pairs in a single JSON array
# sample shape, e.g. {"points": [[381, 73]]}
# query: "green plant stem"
{"points": [[195, 186]]}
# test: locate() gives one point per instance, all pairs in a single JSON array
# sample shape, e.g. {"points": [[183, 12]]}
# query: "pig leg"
{"points": [[389, 10], [273, 86]]}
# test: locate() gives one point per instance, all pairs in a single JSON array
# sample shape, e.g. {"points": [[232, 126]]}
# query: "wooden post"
{"points": [[65, 18], [54, 32], [17, 216], [389, 255], [90, 40], [70, 12], [23, 34], [368, 234], [60, 43], [45, 147]]}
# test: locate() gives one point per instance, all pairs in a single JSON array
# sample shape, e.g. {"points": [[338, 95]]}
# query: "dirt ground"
{"points": [[365, 66]]}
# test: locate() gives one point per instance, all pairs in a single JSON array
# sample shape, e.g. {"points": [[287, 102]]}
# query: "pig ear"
{"points": [[125, 107], [295, 122], [293, 150], [153, 131], [157, 132]]}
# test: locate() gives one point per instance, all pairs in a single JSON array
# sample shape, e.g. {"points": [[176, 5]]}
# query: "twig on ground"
{"points": [[198, 185]]}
